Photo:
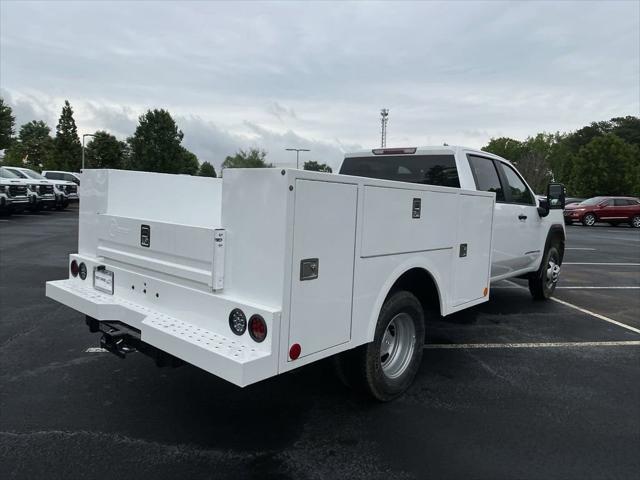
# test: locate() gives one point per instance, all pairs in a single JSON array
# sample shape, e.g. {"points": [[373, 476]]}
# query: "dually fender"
{"points": [[408, 264]]}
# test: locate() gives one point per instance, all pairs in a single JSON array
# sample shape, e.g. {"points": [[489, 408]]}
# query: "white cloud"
{"points": [[277, 75]]}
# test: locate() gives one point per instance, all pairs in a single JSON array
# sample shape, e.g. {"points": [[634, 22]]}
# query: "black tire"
{"points": [[385, 376], [635, 221], [543, 282], [589, 220]]}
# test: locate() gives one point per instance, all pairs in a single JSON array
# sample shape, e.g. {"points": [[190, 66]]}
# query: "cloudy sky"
{"points": [[314, 75]]}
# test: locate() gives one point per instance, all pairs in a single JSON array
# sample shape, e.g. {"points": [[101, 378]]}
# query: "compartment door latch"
{"points": [[309, 269]]}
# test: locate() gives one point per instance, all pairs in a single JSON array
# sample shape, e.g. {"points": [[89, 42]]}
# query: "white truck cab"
{"points": [[67, 182], [521, 224], [265, 270], [14, 192], [43, 192]]}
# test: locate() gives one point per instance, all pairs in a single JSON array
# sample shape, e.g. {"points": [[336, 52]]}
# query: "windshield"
{"points": [[18, 174], [592, 201], [33, 174], [4, 173]]}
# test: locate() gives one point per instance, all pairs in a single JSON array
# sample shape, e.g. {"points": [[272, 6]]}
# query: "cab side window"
{"points": [[519, 193], [486, 176], [622, 202], [54, 175]]}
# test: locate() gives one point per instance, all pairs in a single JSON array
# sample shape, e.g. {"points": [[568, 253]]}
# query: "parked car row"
{"points": [[612, 210], [24, 189]]}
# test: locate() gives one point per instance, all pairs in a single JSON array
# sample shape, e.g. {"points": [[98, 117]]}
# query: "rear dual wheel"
{"points": [[386, 367]]}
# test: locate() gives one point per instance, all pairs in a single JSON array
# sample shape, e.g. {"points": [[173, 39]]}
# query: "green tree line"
{"points": [[602, 158], [155, 146]]}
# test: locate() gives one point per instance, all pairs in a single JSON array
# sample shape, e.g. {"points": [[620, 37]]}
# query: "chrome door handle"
{"points": [[522, 217]]}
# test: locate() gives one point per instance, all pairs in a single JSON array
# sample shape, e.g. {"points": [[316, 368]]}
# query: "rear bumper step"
{"points": [[119, 319]]}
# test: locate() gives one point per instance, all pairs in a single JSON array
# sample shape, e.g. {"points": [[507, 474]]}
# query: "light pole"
{"points": [[85, 135], [297, 150]]}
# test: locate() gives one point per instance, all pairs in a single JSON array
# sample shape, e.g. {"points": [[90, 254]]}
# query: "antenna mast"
{"points": [[384, 118]]}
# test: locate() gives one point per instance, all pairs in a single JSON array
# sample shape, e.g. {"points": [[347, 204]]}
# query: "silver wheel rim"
{"points": [[589, 219], [636, 222], [397, 346], [553, 272]]}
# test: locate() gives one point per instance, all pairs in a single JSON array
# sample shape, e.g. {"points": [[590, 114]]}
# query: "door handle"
{"points": [[522, 217]]}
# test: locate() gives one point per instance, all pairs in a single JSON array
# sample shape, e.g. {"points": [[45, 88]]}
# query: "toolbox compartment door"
{"points": [[323, 235], [182, 251], [472, 255]]}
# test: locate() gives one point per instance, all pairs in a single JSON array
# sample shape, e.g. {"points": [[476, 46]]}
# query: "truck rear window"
{"points": [[427, 169]]}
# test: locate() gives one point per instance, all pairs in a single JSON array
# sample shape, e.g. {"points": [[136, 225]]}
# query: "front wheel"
{"points": [[387, 366], [589, 220], [635, 221], [543, 283]]}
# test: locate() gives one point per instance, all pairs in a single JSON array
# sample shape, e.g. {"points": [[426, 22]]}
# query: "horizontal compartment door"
{"points": [[179, 250]]}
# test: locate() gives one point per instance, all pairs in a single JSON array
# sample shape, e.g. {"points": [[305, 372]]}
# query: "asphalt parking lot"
{"points": [[512, 389]]}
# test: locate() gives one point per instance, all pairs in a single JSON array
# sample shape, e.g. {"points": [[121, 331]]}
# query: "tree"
{"points": [[155, 145], [627, 128], [68, 151], [190, 163], [207, 170], [317, 167], [531, 157], [505, 147], [533, 163], [7, 125], [34, 147], [607, 165], [254, 158], [105, 151]]}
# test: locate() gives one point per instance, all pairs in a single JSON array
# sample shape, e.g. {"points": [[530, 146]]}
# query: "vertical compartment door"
{"points": [[472, 254], [322, 269]]}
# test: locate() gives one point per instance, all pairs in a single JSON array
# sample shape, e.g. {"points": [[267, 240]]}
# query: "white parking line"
{"points": [[580, 309], [597, 315], [445, 346], [599, 288], [614, 264], [96, 350]]}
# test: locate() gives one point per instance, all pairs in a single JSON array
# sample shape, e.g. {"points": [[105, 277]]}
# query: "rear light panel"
{"points": [[394, 151]]}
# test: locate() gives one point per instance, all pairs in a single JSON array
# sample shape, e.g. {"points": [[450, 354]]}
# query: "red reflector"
{"points": [[74, 268], [394, 151], [294, 351], [257, 328]]}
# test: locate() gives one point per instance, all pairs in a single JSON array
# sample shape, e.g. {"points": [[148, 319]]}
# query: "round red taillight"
{"points": [[74, 268], [257, 328], [294, 351]]}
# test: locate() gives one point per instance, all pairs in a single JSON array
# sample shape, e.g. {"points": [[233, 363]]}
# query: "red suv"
{"points": [[613, 210]]}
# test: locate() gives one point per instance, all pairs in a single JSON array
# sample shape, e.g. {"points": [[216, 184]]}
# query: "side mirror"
{"points": [[556, 193], [543, 207]]}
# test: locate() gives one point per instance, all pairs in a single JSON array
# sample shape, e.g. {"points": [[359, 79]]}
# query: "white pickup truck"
{"points": [[266, 270]]}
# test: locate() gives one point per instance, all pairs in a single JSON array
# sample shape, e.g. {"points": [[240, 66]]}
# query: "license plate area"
{"points": [[103, 280]]}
